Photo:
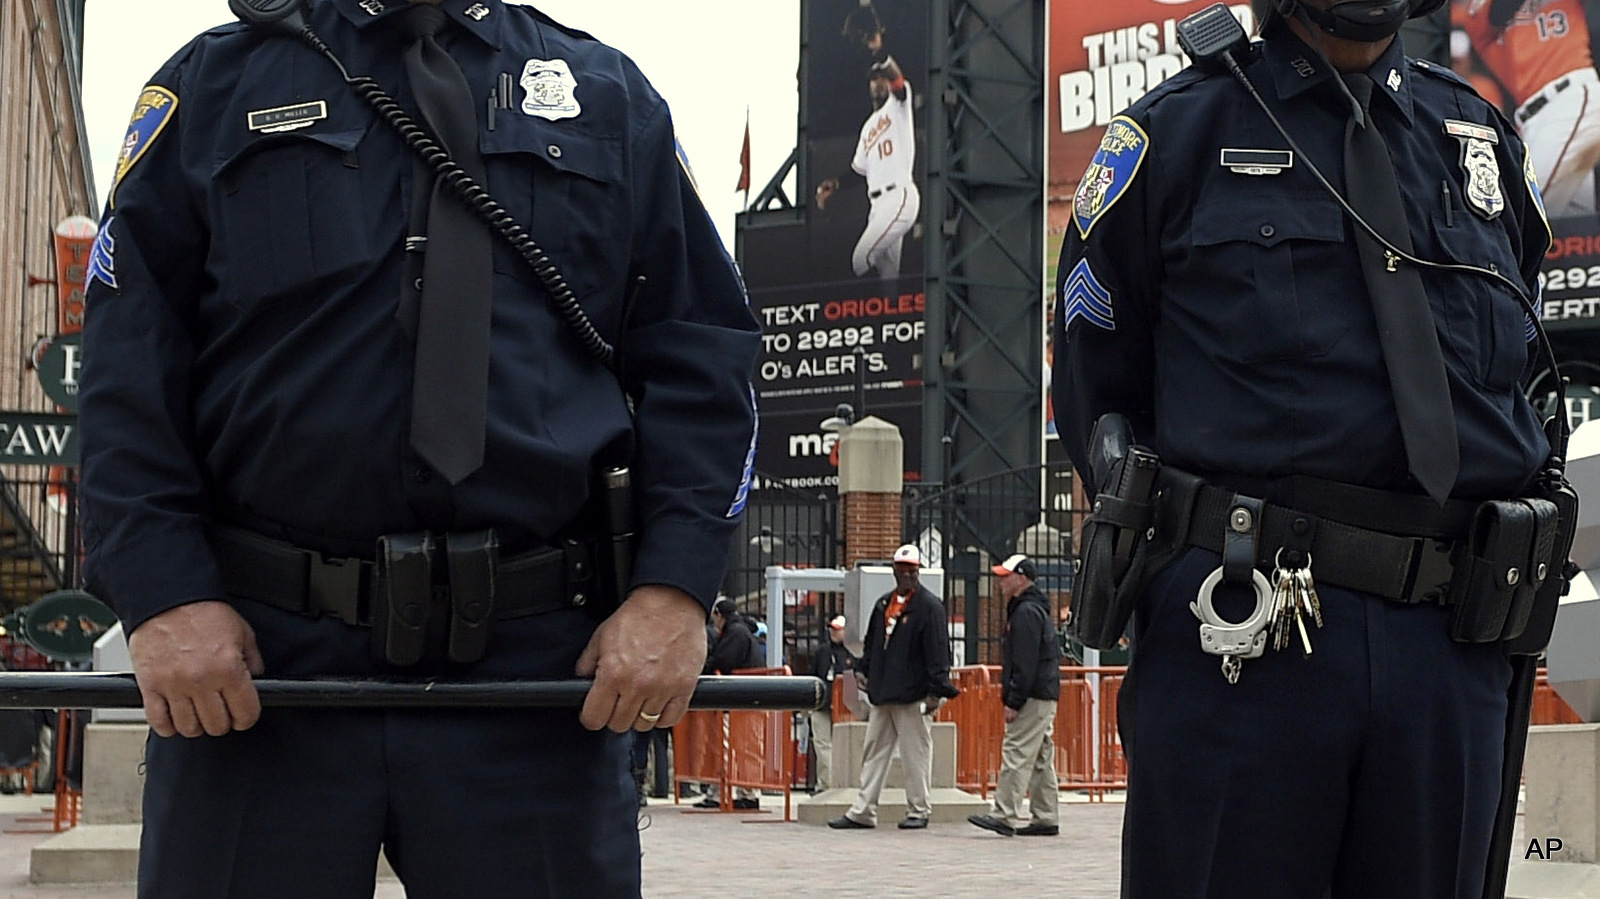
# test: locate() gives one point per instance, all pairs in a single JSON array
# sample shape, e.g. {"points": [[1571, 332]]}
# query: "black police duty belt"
{"points": [[1410, 567], [302, 581]]}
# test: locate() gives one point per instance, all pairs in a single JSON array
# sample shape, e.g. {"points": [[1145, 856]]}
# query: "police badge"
{"points": [[1479, 166], [551, 89]]}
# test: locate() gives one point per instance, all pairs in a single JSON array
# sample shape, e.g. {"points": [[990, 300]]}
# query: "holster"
{"points": [[1137, 525]]}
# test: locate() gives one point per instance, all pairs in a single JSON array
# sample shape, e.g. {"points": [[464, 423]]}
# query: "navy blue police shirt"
{"points": [[243, 359], [1224, 312]]}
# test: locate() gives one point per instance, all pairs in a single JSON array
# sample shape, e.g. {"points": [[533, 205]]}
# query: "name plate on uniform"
{"points": [[288, 118], [1257, 162]]}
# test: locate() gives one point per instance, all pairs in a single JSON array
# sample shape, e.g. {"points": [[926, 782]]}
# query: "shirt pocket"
{"points": [[565, 189], [289, 212], [1261, 273], [1481, 321]]}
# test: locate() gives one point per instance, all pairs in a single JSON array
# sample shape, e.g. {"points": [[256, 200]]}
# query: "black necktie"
{"points": [[1406, 330], [449, 392]]}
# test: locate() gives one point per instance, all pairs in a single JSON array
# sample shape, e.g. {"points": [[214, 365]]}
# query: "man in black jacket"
{"points": [[1031, 685], [905, 668], [829, 662], [734, 649]]}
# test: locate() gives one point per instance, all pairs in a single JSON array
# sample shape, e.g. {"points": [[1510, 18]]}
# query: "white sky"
{"points": [[710, 58]]}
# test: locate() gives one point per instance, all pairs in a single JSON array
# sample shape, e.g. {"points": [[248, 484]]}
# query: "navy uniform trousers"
{"points": [[300, 804], [1369, 770]]}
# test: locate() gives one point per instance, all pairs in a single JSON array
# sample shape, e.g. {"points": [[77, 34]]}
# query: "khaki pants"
{"points": [[1028, 759], [822, 744], [890, 727]]}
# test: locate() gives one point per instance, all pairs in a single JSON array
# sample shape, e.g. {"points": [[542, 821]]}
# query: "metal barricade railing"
{"points": [[979, 727], [754, 750]]}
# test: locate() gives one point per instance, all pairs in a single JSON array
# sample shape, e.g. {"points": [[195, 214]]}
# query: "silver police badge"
{"points": [[1479, 165], [551, 89]]}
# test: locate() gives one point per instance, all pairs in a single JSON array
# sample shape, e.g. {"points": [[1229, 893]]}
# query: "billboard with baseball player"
{"points": [[839, 287], [1536, 60]]}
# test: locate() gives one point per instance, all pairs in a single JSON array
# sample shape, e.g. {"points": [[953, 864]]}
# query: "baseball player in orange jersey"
{"points": [[1539, 50]]}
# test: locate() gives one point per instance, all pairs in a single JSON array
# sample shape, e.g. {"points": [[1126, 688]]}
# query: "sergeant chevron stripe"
{"points": [[1083, 296]]}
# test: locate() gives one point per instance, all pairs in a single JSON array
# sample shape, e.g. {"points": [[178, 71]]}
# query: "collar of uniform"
{"points": [[1296, 68], [487, 27]]}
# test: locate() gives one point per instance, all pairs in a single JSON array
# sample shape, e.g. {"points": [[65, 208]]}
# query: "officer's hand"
{"points": [[193, 664], [645, 659], [932, 705], [1010, 714]]}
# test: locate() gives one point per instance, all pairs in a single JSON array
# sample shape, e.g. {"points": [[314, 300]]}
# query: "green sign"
{"points": [[35, 438], [64, 625], [58, 368]]}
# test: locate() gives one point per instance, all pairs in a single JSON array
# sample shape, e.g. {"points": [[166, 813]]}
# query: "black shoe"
{"points": [[746, 803], [990, 822], [845, 822], [708, 802], [1039, 830], [913, 824]]}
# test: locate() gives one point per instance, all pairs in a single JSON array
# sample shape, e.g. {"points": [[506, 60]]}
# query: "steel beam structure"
{"points": [[985, 212]]}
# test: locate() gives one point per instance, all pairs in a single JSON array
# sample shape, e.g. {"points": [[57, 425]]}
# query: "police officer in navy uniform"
{"points": [[1212, 292], [247, 423]]}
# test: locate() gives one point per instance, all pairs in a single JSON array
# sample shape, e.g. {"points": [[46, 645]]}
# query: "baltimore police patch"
{"points": [[1110, 172], [1083, 296], [151, 114]]}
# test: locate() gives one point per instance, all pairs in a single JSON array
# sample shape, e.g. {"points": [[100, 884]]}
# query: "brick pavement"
{"points": [[697, 854]]}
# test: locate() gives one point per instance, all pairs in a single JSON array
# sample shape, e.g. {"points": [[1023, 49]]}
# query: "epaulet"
{"points": [[545, 19], [1186, 78], [1428, 67]]}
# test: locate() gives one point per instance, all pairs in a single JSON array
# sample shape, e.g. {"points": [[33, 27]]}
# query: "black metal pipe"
{"points": [[117, 690]]}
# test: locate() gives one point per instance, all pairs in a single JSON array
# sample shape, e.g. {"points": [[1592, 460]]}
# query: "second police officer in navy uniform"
{"points": [[258, 499], [1214, 294]]}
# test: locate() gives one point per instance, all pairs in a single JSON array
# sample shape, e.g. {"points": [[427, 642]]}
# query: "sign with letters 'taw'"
{"points": [[36, 438]]}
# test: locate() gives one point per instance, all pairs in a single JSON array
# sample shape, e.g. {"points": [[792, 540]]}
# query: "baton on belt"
{"points": [[118, 690]]}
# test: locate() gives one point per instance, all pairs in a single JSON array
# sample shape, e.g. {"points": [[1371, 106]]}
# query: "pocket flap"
{"points": [[593, 156]]}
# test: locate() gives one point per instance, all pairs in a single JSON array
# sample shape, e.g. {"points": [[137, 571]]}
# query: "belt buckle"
{"points": [[1431, 567], [334, 588]]}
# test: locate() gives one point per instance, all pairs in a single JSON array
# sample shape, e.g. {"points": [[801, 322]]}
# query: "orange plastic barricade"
{"points": [[1548, 706], [979, 726], [736, 749]]}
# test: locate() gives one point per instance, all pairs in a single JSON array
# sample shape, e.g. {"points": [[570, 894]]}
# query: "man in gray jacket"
{"points": [[1031, 685]]}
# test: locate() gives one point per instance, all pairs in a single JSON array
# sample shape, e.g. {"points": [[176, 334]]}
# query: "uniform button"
{"points": [[1268, 230], [417, 284], [554, 151], [422, 475]]}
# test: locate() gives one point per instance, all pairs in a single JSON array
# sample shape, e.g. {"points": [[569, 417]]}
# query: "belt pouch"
{"points": [[1491, 575], [402, 598], [1538, 568], [472, 560], [1554, 489]]}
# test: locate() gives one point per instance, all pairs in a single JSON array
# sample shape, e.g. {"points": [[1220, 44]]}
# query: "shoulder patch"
{"points": [[1083, 296], [1531, 176], [150, 115], [683, 163], [1113, 168]]}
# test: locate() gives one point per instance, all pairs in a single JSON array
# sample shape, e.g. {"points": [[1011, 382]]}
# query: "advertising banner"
{"points": [[1533, 59], [839, 291]]}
